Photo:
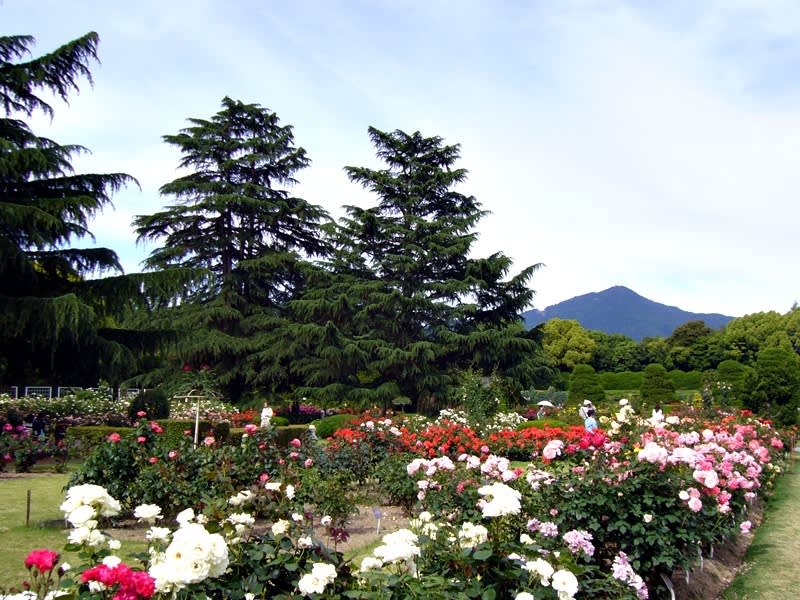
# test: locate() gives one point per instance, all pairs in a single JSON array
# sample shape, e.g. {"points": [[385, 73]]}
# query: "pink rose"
{"points": [[695, 504], [263, 477], [209, 441], [308, 463], [114, 438], [250, 429], [141, 413], [173, 453], [745, 526], [295, 443], [293, 455], [141, 439], [44, 560], [153, 460]]}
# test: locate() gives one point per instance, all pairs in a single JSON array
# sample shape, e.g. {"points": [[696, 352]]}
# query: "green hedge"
{"points": [[693, 380], [327, 426], [83, 439], [626, 380], [288, 433], [283, 434]]}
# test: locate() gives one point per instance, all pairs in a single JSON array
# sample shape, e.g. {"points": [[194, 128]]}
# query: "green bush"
{"points": [[284, 435], [222, 431], [83, 439], [657, 387], [153, 402], [327, 426], [278, 421], [585, 384], [682, 380], [626, 380]]}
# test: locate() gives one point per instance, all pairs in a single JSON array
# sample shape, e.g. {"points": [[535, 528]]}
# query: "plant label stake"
{"points": [[668, 583], [376, 512]]}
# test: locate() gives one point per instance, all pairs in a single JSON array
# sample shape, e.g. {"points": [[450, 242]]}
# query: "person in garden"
{"points": [[38, 427], [590, 423], [657, 415], [583, 411], [266, 415]]}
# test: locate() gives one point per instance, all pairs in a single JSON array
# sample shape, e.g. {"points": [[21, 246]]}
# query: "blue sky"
{"points": [[647, 144]]}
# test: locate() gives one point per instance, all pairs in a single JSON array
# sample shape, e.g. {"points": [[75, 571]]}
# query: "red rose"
{"points": [[44, 560], [187, 369]]}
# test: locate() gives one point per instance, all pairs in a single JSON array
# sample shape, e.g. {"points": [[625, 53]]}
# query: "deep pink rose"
{"points": [[141, 413], [44, 560], [295, 443]]}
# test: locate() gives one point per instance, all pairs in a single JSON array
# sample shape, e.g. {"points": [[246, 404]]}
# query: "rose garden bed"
{"points": [[602, 514]]}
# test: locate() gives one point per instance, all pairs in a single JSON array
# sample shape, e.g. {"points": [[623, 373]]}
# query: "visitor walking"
{"points": [[590, 423]]}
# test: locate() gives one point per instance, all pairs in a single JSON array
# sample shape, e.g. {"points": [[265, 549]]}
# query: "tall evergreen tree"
{"points": [[234, 220], [402, 305], [51, 310]]}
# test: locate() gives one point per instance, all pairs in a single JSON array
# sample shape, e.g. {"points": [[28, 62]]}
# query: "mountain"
{"points": [[621, 310]]}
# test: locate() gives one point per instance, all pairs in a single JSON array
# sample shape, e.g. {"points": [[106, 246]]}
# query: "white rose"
{"points": [[185, 517], [147, 512], [81, 515]]}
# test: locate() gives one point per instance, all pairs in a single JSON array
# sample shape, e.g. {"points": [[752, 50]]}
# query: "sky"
{"points": [[652, 145]]}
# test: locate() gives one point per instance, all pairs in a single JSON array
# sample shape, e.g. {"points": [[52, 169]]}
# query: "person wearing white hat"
{"points": [[583, 411]]}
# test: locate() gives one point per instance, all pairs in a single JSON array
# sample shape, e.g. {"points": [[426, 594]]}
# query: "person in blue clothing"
{"points": [[590, 423]]}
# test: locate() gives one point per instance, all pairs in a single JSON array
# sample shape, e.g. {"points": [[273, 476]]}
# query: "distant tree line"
{"points": [[753, 362]]}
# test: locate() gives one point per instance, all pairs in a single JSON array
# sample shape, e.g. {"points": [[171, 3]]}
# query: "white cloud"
{"points": [[619, 143]]}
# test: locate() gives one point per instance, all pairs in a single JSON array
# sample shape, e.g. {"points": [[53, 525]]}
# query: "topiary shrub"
{"points": [[327, 426], [278, 421], [154, 402], [286, 434]]}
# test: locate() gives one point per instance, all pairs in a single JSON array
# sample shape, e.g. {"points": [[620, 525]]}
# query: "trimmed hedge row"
{"points": [[83, 439]]}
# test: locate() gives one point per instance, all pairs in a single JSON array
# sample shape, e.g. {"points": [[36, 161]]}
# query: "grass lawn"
{"points": [[18, 540], [769, 571]]}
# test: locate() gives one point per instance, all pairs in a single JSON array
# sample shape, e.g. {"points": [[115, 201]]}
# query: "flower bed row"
{"points": [[593, 515]]}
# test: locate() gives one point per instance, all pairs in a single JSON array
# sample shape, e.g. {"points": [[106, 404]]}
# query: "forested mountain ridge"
{"points": [[621, 310]]}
